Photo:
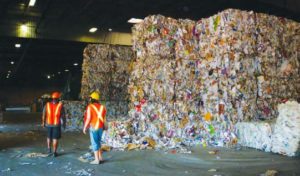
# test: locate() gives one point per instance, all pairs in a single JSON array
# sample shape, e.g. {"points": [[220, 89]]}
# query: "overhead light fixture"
{"points": [[59, 73], [48, 76], [135, 20], [110, 29], [31, 3], [66, 70], [24, 28], [9, 71], [18, 45], [93, 29], [75, 64], [7, 76], [12, 62]]}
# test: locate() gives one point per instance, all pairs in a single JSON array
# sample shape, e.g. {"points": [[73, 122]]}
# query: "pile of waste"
{"points": [[106, 69]]}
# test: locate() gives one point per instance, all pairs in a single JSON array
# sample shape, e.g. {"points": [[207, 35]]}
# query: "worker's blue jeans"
{"points": [[96, 136]]}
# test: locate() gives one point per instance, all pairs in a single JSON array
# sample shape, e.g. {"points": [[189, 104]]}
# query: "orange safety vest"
{"points": [[53, 113], [97, 114]]}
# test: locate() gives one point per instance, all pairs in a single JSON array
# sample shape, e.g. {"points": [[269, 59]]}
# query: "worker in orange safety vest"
{"points": [[53, 114], [95, 120]]}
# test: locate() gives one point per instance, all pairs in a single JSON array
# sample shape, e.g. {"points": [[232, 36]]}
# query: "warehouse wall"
{"points": [[11, 96]]}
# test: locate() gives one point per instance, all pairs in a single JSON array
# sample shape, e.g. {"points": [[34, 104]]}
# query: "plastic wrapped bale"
{"points": [[255, 134], [74, 113], [286, 137]]}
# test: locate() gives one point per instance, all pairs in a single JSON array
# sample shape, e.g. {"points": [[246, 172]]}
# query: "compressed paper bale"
{"points": [[116, 109], [184, 69], [106, 69], [104, 65], [74, 113], [286, 137], [255, 134], [215, 67]]}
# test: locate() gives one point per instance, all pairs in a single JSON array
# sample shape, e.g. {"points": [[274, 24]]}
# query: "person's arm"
{"points": [[88, 119], [104, 114], [44, 116]]}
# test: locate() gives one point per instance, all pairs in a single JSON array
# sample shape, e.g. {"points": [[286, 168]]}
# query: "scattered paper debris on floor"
{"points": [[212, 170], [6, 170], [270, 173], [36, 155], [214, 152], [87, 157]]}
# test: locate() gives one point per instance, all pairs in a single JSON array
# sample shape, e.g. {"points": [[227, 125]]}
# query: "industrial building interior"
{"points": [[190, 87]]}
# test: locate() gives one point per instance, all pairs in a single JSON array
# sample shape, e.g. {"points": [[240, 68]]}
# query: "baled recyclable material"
{"points": [[191, 82], [286, 136], [74, 111], [255, 134], [279, 136], [106, 69]]}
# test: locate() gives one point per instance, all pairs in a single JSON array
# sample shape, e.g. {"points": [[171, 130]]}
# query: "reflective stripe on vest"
{"points": [[53, 113], [99, 115]]}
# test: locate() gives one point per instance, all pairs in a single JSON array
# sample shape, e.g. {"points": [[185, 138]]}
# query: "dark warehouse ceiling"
{"points": [[58, 30]]}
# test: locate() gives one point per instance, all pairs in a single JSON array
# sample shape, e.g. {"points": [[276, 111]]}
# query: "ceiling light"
{"points": [[135, 20], [75, 64], [59, 73], [66, 70], [24, 28], [48, 76], [31, 3], [12, 62], [110, 29], [93, 29], [18, 45], [7, 76], [9, 71]]}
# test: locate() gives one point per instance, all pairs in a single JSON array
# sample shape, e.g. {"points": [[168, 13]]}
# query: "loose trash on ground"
{"points": [[87, 157], [212, 170], [270, 173], [6, 170], [36, 155]]}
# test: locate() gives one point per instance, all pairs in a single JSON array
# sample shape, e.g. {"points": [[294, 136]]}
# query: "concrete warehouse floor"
{"points": [[21, 134]]}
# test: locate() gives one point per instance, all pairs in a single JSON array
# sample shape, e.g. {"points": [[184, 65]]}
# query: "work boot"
{"points": [[55, 154], [95, 162]]}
